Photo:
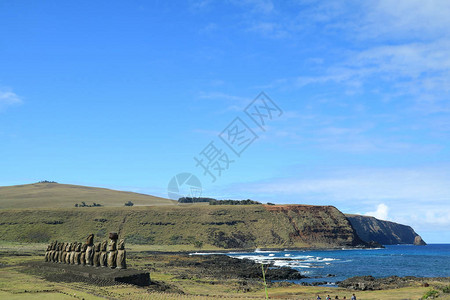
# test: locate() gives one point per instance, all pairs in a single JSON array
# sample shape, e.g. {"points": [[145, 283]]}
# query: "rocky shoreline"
{"points": [[222, 266], [370, 283]]}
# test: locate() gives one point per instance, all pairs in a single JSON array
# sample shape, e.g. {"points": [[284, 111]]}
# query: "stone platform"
{"points": [[96, 274]]}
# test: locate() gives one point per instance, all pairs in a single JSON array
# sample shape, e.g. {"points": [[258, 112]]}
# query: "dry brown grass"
{"points": [[54, 195]]}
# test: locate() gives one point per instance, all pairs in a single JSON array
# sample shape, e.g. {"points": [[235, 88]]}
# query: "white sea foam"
{"points": [[206, 253], [329, 259], [264, 251]]}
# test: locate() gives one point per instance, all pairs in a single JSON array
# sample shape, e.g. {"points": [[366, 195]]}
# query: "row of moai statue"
{"points": [[103, 254]]}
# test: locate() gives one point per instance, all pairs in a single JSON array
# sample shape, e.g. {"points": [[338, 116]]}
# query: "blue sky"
{"points": [[125, 94]]}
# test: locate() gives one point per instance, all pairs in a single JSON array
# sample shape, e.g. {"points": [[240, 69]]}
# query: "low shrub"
{"points": [[431, 294]]}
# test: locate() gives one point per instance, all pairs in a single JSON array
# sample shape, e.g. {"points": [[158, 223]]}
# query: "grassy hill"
{"points": [[207, 227], [55, 195]]}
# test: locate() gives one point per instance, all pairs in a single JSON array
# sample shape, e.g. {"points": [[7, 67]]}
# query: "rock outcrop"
{"points": [[418, 241], [370, 283], [384, 232]]}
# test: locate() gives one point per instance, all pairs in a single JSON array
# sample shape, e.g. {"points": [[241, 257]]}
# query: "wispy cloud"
{"points": [[403, 46], [8, 98], [269, 29], [256, 6], [233, 102], [411, 18]]}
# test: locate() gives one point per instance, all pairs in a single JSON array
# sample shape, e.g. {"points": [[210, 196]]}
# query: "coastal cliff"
{"points": [[384, 232], [200, 226], [47, 211]]}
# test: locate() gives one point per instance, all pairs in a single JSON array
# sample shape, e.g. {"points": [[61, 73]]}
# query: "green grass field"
{"points": [[18, 282]]}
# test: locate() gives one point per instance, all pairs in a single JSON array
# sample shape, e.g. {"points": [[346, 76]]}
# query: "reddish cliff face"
{"points": [[317, 225]]}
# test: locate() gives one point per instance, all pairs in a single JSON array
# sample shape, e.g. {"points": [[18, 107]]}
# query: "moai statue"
{"points": [[69, 253], [68, 250], [67, 257], [83, 254], [54, 247], [57, 252], [121, 255], [72, 253], [77, 254], [97, 254], [112, 250], [49, 256], [90, 250], [47, 253], [61, 251], [103, 254], [64, 252]]}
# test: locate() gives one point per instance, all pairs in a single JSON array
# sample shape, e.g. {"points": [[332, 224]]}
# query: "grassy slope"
{"points": [[217, 227], [40, 195], [214, 226]]}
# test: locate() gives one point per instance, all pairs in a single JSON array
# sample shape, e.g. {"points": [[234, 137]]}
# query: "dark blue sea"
{"points": [[336, 265]]}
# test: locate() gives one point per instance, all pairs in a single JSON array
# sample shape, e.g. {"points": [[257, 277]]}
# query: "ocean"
{"points": [[332, 266]]}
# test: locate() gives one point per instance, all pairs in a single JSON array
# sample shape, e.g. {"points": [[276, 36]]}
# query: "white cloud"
{"points": [[256, 6], [421, 70], [269, 29], [8, 98], [381, 212], [438, 217], [420, 19]]}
